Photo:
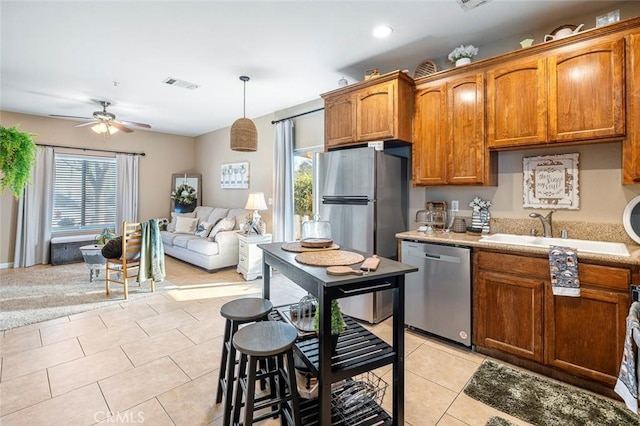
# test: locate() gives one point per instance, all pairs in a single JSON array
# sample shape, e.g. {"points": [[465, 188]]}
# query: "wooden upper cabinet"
{"points": [[466, 153], [631, 146], [586, 91], [429, 149], [339, 116], [375, 112], [372, 110], [517, 103]]}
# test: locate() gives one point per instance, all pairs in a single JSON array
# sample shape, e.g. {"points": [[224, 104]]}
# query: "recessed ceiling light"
{"points": [[382, 31]]}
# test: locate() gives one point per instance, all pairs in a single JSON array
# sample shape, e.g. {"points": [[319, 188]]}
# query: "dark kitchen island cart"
{"points": [[365, 351]]}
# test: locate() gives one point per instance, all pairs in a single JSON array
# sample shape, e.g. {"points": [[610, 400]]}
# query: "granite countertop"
{"points": [[471, 240]]}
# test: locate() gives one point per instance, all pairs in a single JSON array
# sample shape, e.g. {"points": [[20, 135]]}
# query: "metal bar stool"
{"points": [[268, 340], [236, 312]]}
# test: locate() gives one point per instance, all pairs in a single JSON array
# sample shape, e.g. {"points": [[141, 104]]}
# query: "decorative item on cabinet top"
{"points": [[462, 52], [563, 31], [372, 73], [425, 68]]}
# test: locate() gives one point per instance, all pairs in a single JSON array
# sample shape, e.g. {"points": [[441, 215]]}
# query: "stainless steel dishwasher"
{"points": [[438, 296]]}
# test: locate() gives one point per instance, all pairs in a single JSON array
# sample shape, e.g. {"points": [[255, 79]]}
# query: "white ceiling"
{"points": [[59, 57]]}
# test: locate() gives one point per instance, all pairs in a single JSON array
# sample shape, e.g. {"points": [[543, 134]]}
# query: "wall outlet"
{"points": [[270, 201], [454, 205]]}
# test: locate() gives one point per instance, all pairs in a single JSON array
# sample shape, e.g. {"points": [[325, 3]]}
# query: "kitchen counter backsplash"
{"points": [[611, 232]]}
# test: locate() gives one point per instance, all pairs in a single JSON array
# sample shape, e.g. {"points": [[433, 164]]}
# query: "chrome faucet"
{"points": [[546, 223]]}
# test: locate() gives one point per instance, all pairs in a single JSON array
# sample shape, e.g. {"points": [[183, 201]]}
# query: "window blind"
{"points": [[84, 195]]}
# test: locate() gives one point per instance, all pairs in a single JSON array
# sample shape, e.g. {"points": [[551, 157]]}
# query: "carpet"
{"points": [[45, 292], [543, 402]]}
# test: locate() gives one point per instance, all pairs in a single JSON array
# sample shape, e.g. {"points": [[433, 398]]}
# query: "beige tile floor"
{"points": [[155, 361]]}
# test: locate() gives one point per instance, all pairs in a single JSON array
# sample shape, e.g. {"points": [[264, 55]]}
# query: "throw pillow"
{"points": [[186, 225], [225, 224], [174, 220], [204, 228]]}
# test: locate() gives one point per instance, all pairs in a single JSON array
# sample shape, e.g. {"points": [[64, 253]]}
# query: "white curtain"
{"points": [[283, 185], [33, 230], [127, 188]]}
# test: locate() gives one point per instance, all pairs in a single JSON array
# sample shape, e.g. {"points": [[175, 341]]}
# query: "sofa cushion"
{"points": [[203, 212], [174, 220], [225, 224], [168, 237], [182, 240], [217, 214], [240, 216], [203, 246], [186, 225]]}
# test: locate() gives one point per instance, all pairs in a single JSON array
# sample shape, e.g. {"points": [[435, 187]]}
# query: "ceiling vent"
{"points": [[180, 83], [470, 4]]}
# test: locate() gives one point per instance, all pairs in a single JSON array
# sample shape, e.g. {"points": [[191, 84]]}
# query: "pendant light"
{"points": [[244, 136]]}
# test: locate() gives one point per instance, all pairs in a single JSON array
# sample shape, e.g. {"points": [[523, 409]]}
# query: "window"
{"points": [[302, 186], [84, 193]]}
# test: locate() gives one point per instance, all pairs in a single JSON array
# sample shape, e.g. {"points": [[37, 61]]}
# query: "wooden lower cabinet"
{"points": [[514, 327], [516, 313]]}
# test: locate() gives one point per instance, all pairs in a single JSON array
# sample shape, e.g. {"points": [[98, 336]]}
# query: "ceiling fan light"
{"points": [[102, 128], [244, 135]]}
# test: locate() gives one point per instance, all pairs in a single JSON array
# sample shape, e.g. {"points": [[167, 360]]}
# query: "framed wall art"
{"points": [[234, 175], [185, 192], [551, 181]]}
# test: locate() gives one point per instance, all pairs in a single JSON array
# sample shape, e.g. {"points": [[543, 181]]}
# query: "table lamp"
{"points": [[256, 202]]}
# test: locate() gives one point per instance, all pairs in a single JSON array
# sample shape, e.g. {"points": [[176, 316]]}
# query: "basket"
{"points": [[425, 68], [358, 397]]}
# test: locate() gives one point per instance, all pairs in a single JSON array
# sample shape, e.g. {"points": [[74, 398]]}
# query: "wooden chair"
{"points": [[128, 264]]}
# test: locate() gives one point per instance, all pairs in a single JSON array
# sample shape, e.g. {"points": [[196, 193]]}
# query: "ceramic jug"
{"points": [[563, 32]]}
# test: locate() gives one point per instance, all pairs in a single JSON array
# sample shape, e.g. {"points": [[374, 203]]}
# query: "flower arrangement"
{"points": [[184, 194], [463, 52]]}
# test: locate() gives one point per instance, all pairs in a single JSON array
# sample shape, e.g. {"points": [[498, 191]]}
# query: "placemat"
{"points": [[329, 258], [297, 247]]}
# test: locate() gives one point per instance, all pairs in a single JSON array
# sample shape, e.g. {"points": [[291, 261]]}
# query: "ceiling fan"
{"points": [[104, 122]]}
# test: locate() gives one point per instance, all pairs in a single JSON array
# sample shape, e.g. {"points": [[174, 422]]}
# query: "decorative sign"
{"points": [[551, 181], [234, 176]]}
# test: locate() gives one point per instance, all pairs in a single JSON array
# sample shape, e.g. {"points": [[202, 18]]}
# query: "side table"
{"points": [[92, 255], [250, 255]]}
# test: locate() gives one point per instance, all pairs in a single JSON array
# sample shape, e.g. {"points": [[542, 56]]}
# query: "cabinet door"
{"points": [[339, 119], [586, 92], [508, 315], [375, 112], [631, 146], [585, 335], [517, 103], [466, 145], [430, 136]]}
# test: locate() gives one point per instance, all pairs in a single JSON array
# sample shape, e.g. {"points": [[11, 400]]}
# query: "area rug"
{"points": [[45, 292], [543, 402]]}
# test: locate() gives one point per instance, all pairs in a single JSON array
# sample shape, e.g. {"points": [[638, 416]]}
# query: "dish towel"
{"points": [[563, 266], [627, 383]]}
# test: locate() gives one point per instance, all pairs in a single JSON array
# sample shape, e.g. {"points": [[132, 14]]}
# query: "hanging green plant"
{"points": [[17, 155]]}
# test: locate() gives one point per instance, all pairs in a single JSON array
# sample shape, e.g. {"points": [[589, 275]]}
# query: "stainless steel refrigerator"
{"points": [[362, 193]]}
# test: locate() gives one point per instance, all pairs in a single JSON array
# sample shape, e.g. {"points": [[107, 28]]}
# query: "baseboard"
{"points": [[6, 265]]}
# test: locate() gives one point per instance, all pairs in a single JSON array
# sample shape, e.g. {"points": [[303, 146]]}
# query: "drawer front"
{"points": [[243, 247], [244, 261]]}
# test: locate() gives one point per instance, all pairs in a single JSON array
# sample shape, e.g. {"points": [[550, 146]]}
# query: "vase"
{"points": [[463, 61]]}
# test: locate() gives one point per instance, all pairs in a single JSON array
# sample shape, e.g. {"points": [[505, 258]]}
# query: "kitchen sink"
{"points": [[586, 246]]}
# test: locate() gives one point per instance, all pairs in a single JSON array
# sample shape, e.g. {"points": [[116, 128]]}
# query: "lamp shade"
{"points": [[256, 202], [244, 136]]}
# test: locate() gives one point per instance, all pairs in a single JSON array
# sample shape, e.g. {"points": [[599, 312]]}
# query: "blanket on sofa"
{"points": [[151, 253]]}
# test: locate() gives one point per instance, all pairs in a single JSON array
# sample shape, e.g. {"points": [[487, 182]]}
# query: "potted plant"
{"points": [[337, 323], [462, 55], [105, 236], [17, 156], [185, 197]]}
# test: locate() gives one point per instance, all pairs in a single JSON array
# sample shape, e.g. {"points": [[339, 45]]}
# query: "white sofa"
{"points": [[221, 252]]}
